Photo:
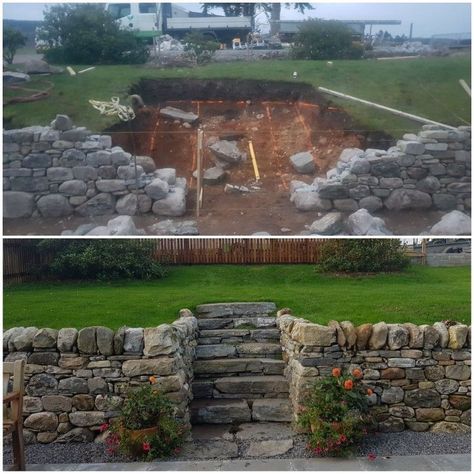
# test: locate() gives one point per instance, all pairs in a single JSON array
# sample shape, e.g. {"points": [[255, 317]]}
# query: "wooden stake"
{"points": [[465, 86], [199, 171], [254, 161], [388, 109]]}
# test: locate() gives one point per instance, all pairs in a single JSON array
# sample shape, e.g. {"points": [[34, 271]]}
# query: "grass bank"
{"points": [[421, 295], [425, 86]]}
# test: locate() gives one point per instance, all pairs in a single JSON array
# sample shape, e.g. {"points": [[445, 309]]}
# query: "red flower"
{"points": [[343, 438], [348, 384], [104, 427], [369, 392], [357, 373], [371, 457], [336, 372], [146, 447], [177, 450]]}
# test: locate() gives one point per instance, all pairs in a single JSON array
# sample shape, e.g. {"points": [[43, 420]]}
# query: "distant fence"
{"points": [[21, 256]]}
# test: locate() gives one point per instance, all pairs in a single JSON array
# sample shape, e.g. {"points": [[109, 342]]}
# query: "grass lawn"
{"points": [[426, 86], [421, 295]]}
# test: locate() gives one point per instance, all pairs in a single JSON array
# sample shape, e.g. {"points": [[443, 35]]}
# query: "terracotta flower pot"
{"points": [[140, 435]]}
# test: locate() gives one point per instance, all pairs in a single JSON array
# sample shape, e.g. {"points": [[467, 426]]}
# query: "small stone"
{"points": [[67, 338], [43, 421], [457, 336], [303, 162], [378, 337], [45, 338]]}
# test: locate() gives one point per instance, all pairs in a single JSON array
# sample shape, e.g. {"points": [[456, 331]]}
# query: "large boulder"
{"points": [[122, 225], [330, 224], [161, 340], [178, 114], [362, 222], [310, 201], [38, 66], [174, 204], [227, 151], [10, 77], [453, 223], [127, 205], [99, 205], [17, 204]]}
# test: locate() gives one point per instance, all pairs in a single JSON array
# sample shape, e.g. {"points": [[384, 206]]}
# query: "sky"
{"points": [[427, 18]]}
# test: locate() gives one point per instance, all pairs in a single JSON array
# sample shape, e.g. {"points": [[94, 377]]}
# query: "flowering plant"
{"points": [[336, 413], [147, 428]]}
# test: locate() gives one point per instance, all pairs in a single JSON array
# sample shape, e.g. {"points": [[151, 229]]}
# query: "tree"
{"points": [[12, 40], [250, 9], [325, 39], [88, 34]]}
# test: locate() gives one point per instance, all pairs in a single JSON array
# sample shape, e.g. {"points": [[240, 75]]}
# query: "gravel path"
{"points": [[382, 445]]}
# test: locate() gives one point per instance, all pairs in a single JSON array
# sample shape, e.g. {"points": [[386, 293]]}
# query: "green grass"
{"points": [[426, 86], [421, 295]]}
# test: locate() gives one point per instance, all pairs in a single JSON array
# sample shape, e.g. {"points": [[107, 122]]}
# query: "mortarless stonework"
{"points": [[77, 380], [420, 375]]}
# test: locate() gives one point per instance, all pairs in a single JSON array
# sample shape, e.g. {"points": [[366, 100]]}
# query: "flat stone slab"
{"points": [[275, 409], [253, 384], [264, 431], [210, 449], [212, 432], [178, 114], [221, 411], [268, 449], [220, 310], [225, 366]]}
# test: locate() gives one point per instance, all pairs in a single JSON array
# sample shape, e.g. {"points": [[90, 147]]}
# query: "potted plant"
{"points": [[336, 413], [147, 428]]}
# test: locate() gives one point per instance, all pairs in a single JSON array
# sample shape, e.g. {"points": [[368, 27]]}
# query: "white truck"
{"points": [[149, 20]]}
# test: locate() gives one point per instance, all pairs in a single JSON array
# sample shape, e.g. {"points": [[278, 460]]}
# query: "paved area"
{"points": [[451, 462]]}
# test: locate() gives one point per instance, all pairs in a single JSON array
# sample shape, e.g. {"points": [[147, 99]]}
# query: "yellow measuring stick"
{"points": [[254, 161]]}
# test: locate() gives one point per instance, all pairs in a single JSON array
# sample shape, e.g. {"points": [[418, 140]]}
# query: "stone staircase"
{"points": [[238, 371]]}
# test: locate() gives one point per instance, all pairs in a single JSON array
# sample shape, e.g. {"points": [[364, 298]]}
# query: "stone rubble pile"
{"points": [[420, 375], [63, 170], [77, 380], [428, 170]]}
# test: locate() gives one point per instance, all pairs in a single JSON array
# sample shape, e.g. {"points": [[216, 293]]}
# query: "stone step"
{"points": [[247, 387], [230, 367], [219, 411], [244, 322], [246, 349], [226, 310], [241, 411], [231, 336]]}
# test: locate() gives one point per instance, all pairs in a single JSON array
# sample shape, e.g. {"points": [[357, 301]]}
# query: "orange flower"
{"points": [[348, 384], [153, 379], [369, 392], [357, 373], [336, 372]]}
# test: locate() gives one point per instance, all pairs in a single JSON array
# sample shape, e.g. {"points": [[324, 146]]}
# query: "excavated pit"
{"points": [[280, 118]]}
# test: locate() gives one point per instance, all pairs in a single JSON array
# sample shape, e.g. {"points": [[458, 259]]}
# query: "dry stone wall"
{"points": [[420, 375], [429, 170], [62, 170], [77, 380]]}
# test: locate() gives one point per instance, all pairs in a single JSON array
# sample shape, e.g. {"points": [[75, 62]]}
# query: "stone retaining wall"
{"points": [[420, 375], [77, 380], [62, 170], [448, 259], [428, 170]]}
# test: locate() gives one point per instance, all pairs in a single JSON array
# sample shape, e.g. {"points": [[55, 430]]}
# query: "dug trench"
{"points": [[279, 118]]}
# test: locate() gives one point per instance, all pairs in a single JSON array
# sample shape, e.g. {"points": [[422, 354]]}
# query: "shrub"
{"points": [[201, 48], [325, 39], [87, 34], [363, 256], [101, 259], [336, 414], [146, 428], [12, 40]]}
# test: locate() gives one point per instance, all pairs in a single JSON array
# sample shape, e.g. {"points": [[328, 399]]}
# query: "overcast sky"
{"points": [[428, 18]]}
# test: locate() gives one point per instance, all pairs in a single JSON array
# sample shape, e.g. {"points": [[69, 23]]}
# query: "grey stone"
{"points": [[105, 340], [59, 174], [57, 403], [398, 336], [166, 174], [417, 172], [444, 202], [443, 334], [147, 163], [411, 147], [174, 204], [346, 205], [390, 183], [45, 338], [360, 166], [303, 162], [87, 418], [29, 183], [32, 404], [43, 421], [378, 337], [458, 372], [362, 223], [110, 185], [386, 168], [73, 385], [408, 199], [268, 448], [17, 204], [11, 77], [85, 173], [122, 225], [227, 151], [97, 385], [61, 122], [446, 386], [42, 384], [214, 175], [310, 201], [119, 157], [144, 203], [449, 427], [127, 205], [37, 160], [158, 366], [430, 184], [274, 410], [127, 172], [161, 340], [43, 358], [457, 336], [24, 340], [76, 435], [74, 187], [364, 332], [178, 114], [157, 189], [422, 398], [392, 395], [101, 204], [133, 340], [431, 336], [331, 190], [67, 338], [349, 333], [330, 224], [72, 157], [86, 340], [453, 223], [213, 351], [170, 227], [54, 205]]}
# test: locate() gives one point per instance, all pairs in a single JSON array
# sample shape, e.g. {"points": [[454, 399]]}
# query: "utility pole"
{"points": [[411, 31]]}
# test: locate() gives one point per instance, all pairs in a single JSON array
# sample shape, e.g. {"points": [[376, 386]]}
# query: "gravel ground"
{"points": [[381, 444]]}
